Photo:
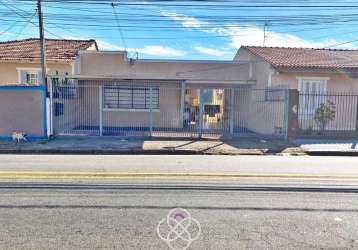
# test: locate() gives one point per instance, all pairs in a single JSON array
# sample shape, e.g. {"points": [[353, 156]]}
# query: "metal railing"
{"points": [[328, 115], [172, 109]]}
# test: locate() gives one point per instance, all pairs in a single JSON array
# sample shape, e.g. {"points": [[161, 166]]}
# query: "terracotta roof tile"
{"points": [[306, 57], [56, 49]]}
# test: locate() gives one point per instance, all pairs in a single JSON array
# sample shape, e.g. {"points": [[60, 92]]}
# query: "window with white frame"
{"points": [[130, 97], [313, 92], [31, 78], [28, 75]]}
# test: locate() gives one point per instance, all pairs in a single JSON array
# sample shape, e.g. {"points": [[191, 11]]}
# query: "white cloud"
{"points": [[157, 50], [210, 51], [253, 35], [104, 45], [186, 21], [153, 50]]}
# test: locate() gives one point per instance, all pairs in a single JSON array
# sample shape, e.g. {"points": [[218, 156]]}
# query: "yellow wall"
{"points": [[9, 74]]}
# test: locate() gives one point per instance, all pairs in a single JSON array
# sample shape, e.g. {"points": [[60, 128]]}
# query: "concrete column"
{"points": [[182, 102], [357, 118], [292, 113], [151, 111], [231, 113], [100, 103], [200, 114], [51, 113]]}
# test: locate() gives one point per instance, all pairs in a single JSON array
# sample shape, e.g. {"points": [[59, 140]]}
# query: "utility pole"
{"points": [[42, 43], [265, 33]]}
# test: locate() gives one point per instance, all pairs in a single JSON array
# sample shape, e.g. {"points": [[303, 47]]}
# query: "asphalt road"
{"points": [[38, 216], [322, 165]]}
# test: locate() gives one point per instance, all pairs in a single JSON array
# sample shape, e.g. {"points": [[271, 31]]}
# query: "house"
{"points": [[262, 91], [116, 95], [320, 75], [23, 103], [20, 59], [312, 70]]}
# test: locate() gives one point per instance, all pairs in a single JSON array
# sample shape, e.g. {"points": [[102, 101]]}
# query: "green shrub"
{"points": [[325, 113]]}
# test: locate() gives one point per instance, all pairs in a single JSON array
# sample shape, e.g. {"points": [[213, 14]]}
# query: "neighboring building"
{"points": [[308, 70], [321, 76], [20, 59]]}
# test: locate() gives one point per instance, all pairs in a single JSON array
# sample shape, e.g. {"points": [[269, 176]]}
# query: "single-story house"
{"points": [[320, 75], [20, 59], [23, 104], [115, 95], [312, 70], [111, 94]]}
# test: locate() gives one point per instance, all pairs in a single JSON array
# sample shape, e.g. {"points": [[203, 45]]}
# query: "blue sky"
{"points": [[187, 32]]}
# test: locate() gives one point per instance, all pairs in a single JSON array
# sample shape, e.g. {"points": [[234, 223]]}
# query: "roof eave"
{"points": [[31, 60], [283, 68]]}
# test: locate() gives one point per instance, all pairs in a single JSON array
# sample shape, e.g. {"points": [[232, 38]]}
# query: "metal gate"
{"points": [[127, 108]]}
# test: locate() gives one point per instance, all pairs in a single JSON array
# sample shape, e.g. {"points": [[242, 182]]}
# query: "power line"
{"points": [[26, 25], [206, 4], [15, 10], [156, 22], [265, 33], [119, 26], [9, 28]]}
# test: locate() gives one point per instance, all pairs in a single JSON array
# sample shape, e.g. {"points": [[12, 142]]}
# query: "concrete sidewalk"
{"points": [[148, 166], [328, 146], [116, 145]]}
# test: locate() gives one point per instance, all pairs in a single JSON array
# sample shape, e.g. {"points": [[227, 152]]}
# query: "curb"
{"points": [[131, 151], [332, 153]]}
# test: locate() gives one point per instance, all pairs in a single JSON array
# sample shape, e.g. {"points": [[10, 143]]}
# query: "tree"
{"points": [[325, 113]]}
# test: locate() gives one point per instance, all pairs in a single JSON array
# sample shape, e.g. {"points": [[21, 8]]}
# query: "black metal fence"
{"points": [[329, 115]]}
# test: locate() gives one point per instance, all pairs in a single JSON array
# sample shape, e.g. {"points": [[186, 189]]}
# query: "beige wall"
{"points": [[337, 85], [116, 65], [84, 110], [260, 69], [22, 111], [168, 115], [9, 73], [256, 114], [338, 82]]}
